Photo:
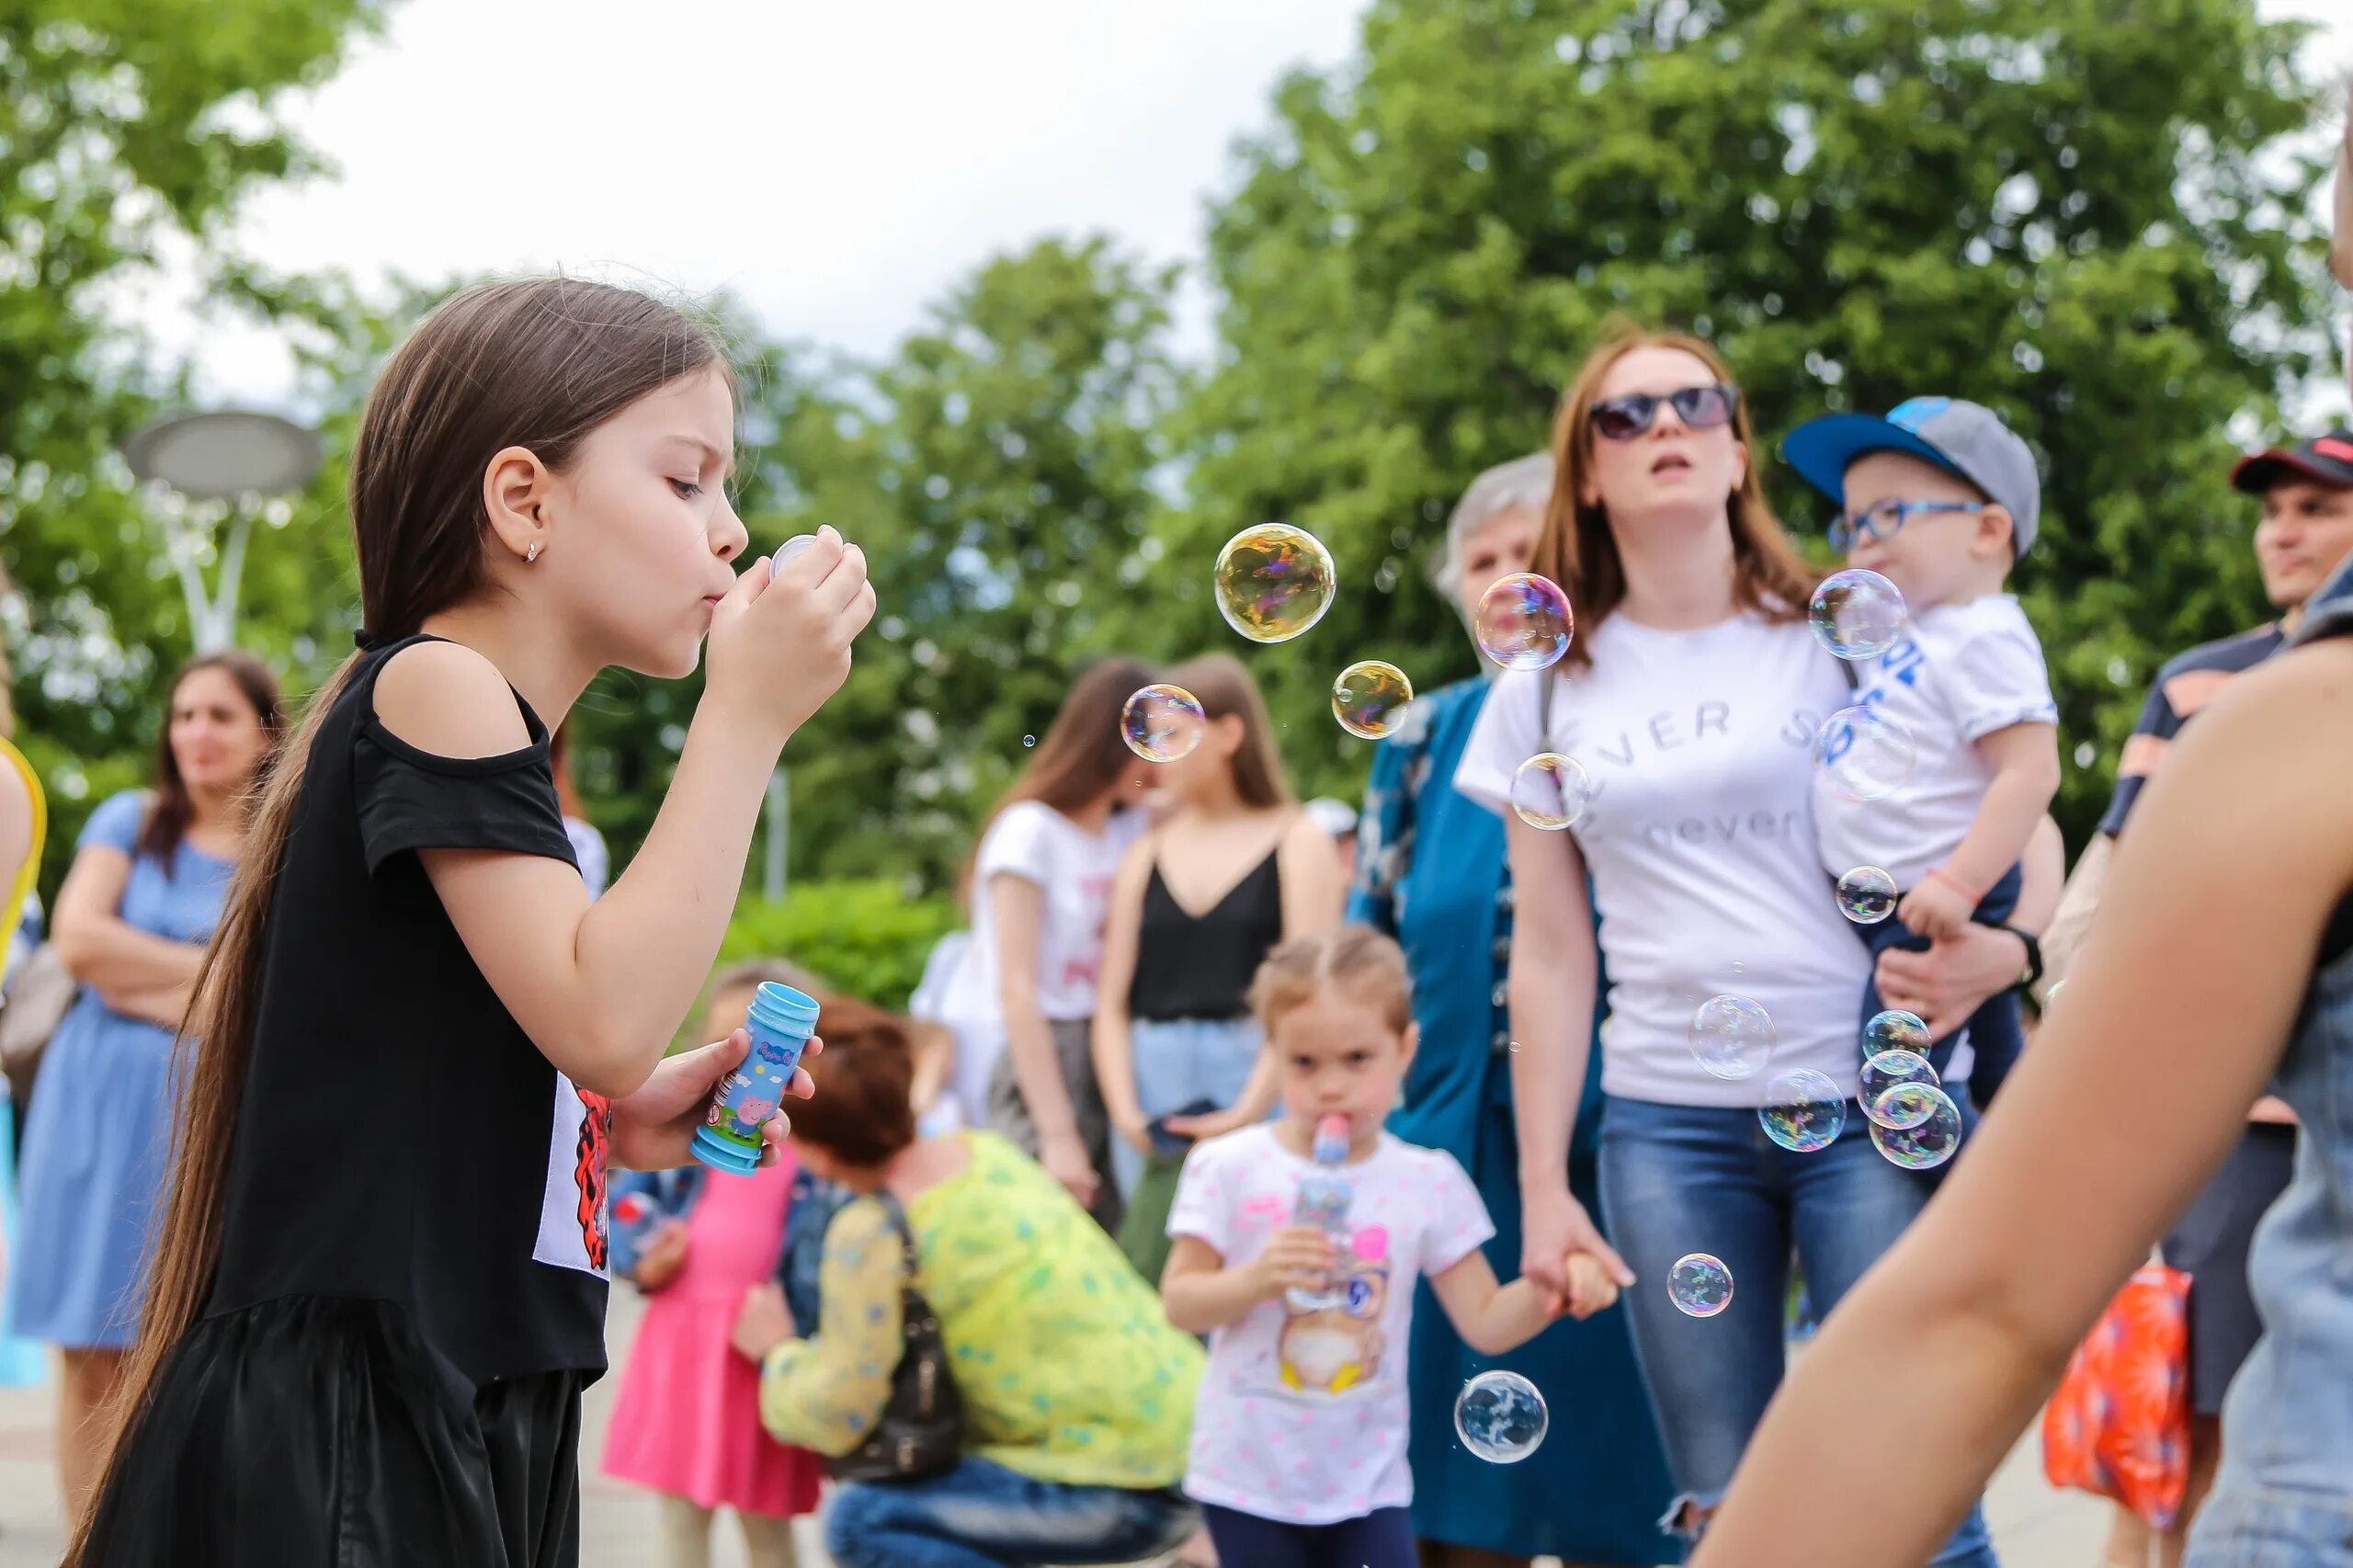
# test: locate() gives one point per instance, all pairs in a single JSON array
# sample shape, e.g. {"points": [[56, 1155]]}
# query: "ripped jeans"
{"points": [[1678, 1179], [981, 1515]]}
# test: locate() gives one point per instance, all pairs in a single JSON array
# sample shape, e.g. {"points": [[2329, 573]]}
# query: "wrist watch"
{"points": [[2033, 975]]}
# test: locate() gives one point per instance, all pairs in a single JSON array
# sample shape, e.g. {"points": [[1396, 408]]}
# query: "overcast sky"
{"points": [[834, 164]]}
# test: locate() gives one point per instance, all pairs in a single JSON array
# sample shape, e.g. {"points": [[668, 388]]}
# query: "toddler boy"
{"points": [[1941, 497]]}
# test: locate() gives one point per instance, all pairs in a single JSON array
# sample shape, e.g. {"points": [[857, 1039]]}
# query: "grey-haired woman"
{"points": [[1430, 872]]}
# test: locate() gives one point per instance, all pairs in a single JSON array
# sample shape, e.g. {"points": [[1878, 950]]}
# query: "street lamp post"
{"points": [[232, 456]]}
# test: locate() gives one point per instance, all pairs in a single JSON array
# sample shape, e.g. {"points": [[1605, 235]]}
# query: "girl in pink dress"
{"points": [[687, 1421]]}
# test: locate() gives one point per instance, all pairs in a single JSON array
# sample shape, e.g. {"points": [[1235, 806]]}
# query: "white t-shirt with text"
{"points": [[1958, 674], [1707, 878], [1035, 843], [1302, 1416]]}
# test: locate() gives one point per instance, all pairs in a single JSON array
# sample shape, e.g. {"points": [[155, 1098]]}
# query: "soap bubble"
{"points": [[1500, 1417], [1551, 791], [1370, 697], [1163, 724], [1895, 1029], [1803, 1111], [1927, 1143], [1863, 753], [1524, 622], [1904, 1106], [1856, 614], [1732, 1037], [1027, 742], [1891, 1070], [1273, 582], [1700, 1284], [1867, 895]]}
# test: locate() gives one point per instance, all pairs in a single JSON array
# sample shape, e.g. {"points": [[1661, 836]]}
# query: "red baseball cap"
{"points": [[2327, 459]]}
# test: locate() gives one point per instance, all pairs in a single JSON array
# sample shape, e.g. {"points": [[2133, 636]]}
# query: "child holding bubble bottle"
{"points": [[1934, 781], [1300, 1433], [686, 1423], [379, 1285]]}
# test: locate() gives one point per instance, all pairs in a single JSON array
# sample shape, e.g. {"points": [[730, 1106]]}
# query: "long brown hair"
{"points": [[1082, 753], [538, 363], [1577, 550], [173, 809], [1222, 686]]}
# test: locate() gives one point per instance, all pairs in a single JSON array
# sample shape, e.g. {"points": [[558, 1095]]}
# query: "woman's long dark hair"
{"points": [[168, 816], [536, 363], [1082, 755]]}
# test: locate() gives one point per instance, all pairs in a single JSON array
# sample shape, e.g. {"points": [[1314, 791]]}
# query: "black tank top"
{"points": [[400, 1140], [1191, 966]]}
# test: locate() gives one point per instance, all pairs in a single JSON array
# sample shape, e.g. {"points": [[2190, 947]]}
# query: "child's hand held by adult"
{"points": [[762, 1323], [1590, 1288], [1937, 909], [780, 640]]}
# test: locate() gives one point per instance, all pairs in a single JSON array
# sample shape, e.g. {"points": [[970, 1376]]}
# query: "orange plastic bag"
{"points": [[2118, 1426]]}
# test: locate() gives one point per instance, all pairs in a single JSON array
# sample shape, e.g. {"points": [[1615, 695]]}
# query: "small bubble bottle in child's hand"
{"points": [[780, 1021], [1324, 1199]]}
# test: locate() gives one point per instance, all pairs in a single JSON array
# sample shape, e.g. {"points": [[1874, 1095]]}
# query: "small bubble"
{"points": [[1927, 1143], [1856, 614], [1524, 622], [1732, 1037], [1551, 791], [1803, 1110], [1273, 582], [1162, 723], [1892, 1070], [1500, 1416], [1895, 1029], [1867, 895], [1370, 697], [1699, 1285], [1863, 753], [1028, 740]]}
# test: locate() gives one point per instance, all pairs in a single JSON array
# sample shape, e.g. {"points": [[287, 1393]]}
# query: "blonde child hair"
{"points": [[1356, 961]]}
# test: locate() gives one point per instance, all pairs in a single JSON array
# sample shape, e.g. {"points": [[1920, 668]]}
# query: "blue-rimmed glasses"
{"points": [[1885, 520]]}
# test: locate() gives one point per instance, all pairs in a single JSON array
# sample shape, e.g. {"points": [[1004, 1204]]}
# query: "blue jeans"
{"points": [[982, 1514], [1384, 1538], [1996, 1033], [1179, 1062], [1678, 1179]]}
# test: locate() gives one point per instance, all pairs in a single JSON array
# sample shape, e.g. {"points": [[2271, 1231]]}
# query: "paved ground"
{"points": [[2033, 1526]]}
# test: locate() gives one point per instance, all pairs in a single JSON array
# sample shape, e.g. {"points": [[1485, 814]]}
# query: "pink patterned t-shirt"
{"points": [[1302, 1417]]}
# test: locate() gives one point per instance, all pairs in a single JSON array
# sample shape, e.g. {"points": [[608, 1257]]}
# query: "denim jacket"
{"points": [[2284, 1496]]}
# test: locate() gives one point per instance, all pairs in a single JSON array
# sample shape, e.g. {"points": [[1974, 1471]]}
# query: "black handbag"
{"points": [[922, 1427]]}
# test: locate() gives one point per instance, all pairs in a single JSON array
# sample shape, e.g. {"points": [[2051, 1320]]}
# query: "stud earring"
{"points": [[531, 554]]}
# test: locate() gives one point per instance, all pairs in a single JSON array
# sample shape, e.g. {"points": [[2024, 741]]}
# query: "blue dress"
{"points": [[98, 1137], [1431, 872]]}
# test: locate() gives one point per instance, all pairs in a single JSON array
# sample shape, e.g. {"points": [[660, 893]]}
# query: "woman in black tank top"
{"points": [[1198, 905]]}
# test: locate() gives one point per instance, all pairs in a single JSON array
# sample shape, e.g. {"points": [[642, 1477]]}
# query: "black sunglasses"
{"points": [[1700, 408]]}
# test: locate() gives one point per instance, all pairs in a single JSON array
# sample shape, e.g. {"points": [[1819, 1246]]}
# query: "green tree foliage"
{"points": [[123, 125], [998, 468], [2080, 213], [864, 936]]}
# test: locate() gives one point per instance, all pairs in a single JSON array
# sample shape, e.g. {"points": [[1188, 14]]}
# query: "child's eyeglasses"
{"points": [[1700, 408], [1885, 520]]}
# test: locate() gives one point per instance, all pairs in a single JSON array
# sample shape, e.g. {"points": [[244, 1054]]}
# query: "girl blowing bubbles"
{"points": [[1298, 1439], [379, 1286]]}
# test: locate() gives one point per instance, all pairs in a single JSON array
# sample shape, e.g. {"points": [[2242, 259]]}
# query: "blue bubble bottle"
{"points": [[1324, 1195], [781, 1020]]}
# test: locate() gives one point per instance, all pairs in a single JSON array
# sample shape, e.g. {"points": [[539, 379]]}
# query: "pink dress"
{"points": [[687, 1421]]}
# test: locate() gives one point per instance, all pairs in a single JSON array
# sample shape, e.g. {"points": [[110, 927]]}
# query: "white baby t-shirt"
{"points": [[1960, 673], [1707, 876], [1302, 1417]]}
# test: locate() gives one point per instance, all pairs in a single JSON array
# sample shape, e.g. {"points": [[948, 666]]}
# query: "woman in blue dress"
{"points": [[138, 906], [1431, 872]]}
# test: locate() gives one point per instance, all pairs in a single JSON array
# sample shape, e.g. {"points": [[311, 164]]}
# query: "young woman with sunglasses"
{"points": [[1690, 697]]}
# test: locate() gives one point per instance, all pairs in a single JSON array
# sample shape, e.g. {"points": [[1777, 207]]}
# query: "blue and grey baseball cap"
{"points": [[1961, 438]]}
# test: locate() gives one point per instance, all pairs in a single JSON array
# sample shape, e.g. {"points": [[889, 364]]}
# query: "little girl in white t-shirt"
{"points": [[1299, 1437]]}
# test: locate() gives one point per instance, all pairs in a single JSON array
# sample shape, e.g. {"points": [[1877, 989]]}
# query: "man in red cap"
{"points": [[2305, 534]]}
